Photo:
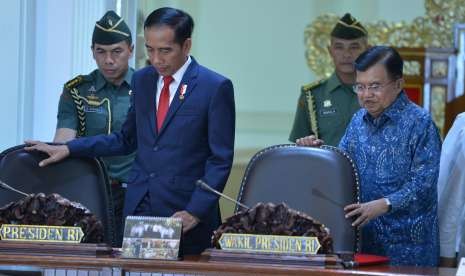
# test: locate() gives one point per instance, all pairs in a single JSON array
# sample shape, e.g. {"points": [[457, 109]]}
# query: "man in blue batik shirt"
{"points": [[396, 147]]}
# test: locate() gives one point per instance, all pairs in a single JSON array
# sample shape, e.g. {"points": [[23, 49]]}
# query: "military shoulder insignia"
{"points": [[74, 82], [313, 85]]}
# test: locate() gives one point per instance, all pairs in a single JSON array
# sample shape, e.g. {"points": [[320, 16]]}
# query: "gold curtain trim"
{"points": [[434, 29]]}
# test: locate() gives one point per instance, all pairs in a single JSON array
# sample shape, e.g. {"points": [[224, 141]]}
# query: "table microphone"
{"points": [[8, 187], [206, 187]]}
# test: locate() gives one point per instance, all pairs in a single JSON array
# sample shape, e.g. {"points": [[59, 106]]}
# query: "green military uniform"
{"points": [[91, 105], [103, 106], [325, 108], [333, 106]]}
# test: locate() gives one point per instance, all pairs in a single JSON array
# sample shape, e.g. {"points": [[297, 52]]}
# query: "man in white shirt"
{"points": [[451, 193]]}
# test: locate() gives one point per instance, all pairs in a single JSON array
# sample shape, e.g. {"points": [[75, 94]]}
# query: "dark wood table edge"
{"points": [[195, 265]]}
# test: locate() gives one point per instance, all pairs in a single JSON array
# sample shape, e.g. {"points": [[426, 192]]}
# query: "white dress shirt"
{"points": [[451, 191], [177, 77]]}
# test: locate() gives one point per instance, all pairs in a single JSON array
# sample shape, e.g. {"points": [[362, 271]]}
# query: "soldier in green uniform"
{"points": [[97, 103], [325, 107]]}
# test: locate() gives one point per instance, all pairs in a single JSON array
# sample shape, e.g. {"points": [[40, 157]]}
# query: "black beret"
{"points": [[111, 29], [348, 28]]}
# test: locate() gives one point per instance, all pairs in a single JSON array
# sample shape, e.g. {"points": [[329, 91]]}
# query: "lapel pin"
{"points": [[182, 92]]}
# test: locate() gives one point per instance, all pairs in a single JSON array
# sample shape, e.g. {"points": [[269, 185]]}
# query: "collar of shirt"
{"points": [[101, 82], [393, 112], [334, 82], [177, 78], [128, 77]]}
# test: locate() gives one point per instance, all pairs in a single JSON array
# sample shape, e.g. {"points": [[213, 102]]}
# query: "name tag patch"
{"points": [[328, 111], [94, 109]]}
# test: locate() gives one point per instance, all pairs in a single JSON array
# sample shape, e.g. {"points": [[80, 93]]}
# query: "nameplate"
{"points": [[270, 244], [41, 233], [152, 237]]}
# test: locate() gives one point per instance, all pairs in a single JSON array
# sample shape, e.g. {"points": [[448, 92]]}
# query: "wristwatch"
{"points": [[388, 202]]}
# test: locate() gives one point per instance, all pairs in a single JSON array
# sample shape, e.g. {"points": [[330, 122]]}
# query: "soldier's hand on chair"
{"points": [[309, 141], [188, 221], [364, 212], [56, 153]]}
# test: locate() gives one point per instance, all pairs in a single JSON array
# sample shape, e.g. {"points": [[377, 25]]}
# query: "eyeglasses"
{"points": [[372, 88]]}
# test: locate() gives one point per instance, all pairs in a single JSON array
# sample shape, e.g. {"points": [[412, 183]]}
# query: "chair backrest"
{"points": [[82, 180], [316, 181]]}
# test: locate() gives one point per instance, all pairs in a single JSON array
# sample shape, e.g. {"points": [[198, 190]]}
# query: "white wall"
{"points": [[52, 63], [10, 112]]}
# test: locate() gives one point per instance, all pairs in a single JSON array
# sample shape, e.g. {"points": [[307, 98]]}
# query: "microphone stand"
{"points": [[205, 186], [8, 187], [320, 194]]}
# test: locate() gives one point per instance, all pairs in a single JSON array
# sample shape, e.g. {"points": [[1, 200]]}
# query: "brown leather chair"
{"points": [[83, 180], [316, 181]]}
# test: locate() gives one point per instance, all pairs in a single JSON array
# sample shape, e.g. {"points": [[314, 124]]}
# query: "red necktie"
{"points": [[163, 101]]}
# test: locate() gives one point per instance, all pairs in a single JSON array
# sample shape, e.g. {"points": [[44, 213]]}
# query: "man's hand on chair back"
{"points": [[309, 141], [56, 153]]}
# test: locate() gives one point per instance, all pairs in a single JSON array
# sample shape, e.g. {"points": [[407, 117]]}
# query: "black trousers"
{"points": [[118, 193]]}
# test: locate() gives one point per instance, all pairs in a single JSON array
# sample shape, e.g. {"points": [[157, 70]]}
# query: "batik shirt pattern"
{"points": [[397, 156]]}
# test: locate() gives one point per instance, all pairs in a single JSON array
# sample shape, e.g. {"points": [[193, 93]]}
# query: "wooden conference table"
{"points": [[28, 265]]}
